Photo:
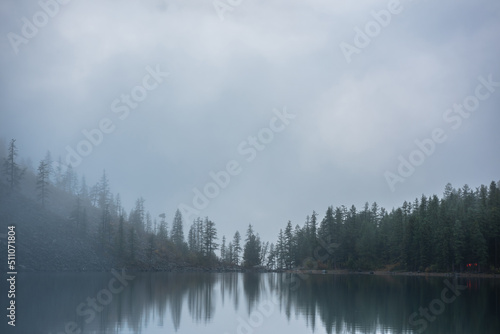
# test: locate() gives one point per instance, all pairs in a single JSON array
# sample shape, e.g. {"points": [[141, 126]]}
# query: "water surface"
{"points": [[254, 303]]}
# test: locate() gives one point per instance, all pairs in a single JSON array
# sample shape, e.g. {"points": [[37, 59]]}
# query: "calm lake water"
{"points": [[253, 303]]}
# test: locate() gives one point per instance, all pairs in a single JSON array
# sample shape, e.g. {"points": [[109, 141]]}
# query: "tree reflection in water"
{"points": [[335, 304]]}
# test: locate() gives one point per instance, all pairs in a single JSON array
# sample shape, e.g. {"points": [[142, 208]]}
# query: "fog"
{"points": [[256, 111]]}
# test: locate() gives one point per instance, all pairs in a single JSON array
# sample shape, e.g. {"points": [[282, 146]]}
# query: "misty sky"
{"points": [[307, 103]]}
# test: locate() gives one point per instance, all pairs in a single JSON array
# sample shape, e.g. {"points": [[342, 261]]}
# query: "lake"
{"points": [[247, 303]]}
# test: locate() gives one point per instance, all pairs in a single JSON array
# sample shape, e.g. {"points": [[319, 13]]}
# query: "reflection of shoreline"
{"points": [[173, 301], [392, 273]]}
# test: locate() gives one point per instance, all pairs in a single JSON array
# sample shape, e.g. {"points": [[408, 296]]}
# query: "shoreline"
{"points": [[392, 273], [289, 271]]}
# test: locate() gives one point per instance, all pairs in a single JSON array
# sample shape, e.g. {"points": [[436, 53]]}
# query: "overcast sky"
{"points": [[355, 85]]}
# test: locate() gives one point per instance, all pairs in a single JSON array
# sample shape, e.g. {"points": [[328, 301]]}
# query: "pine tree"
{"points": [[263, 252], [236, 248], [494, 223], [132, 242], [192, 242], [209, 237], [120, 238], [149, 223], [326, 232], [271, 258], [229, 254], [288, 245], [105, 228], [312, 235], [479, 247], [42, 182], [177, 234], [458, 244], [280, 251], [162, 231], [138, 216], [11, 169], [252, 249], [223, 249], [151, 247], [58, 173], [84, 221], [103, 191], [84, 191], [70, 181], [50, 164]]}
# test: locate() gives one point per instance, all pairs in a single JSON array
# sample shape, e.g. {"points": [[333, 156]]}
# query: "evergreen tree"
{"points": [[192, 240], [84, 221], [11, 169], [103, 191], [42, 182], [138, 216], [50, 164], [58, 173], [327, 233], [84, 191], [70, 181], [263, 252], [280, 251], [132, 242], [271, 258], [79, 214], [288, 245], [458, 245], [479, 247], [312, 235], [252, 249], [105, 227], [210, 235], [493, 239], [177, 234], [149, 223], [151, 247], [236, 248], [223, 248], [163, 229], [120, 238], [230, 254]]}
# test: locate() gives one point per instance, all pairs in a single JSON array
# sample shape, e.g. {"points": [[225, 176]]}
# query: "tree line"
{"points": [[458, 232]]}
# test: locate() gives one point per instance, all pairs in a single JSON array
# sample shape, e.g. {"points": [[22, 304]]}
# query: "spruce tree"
{"points": [[236, 248], [252, 249], [223, 249], [13, 173], [42, 182], [177, 234], [209, 237]]}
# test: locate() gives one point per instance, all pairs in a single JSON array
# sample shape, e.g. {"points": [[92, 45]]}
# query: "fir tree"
{"points": [[11, 169], [42, 182], [177, 234], [236, 248]]}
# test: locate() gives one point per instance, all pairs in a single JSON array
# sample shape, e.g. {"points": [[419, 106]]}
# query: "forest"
{"points": [[458, 232]]}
